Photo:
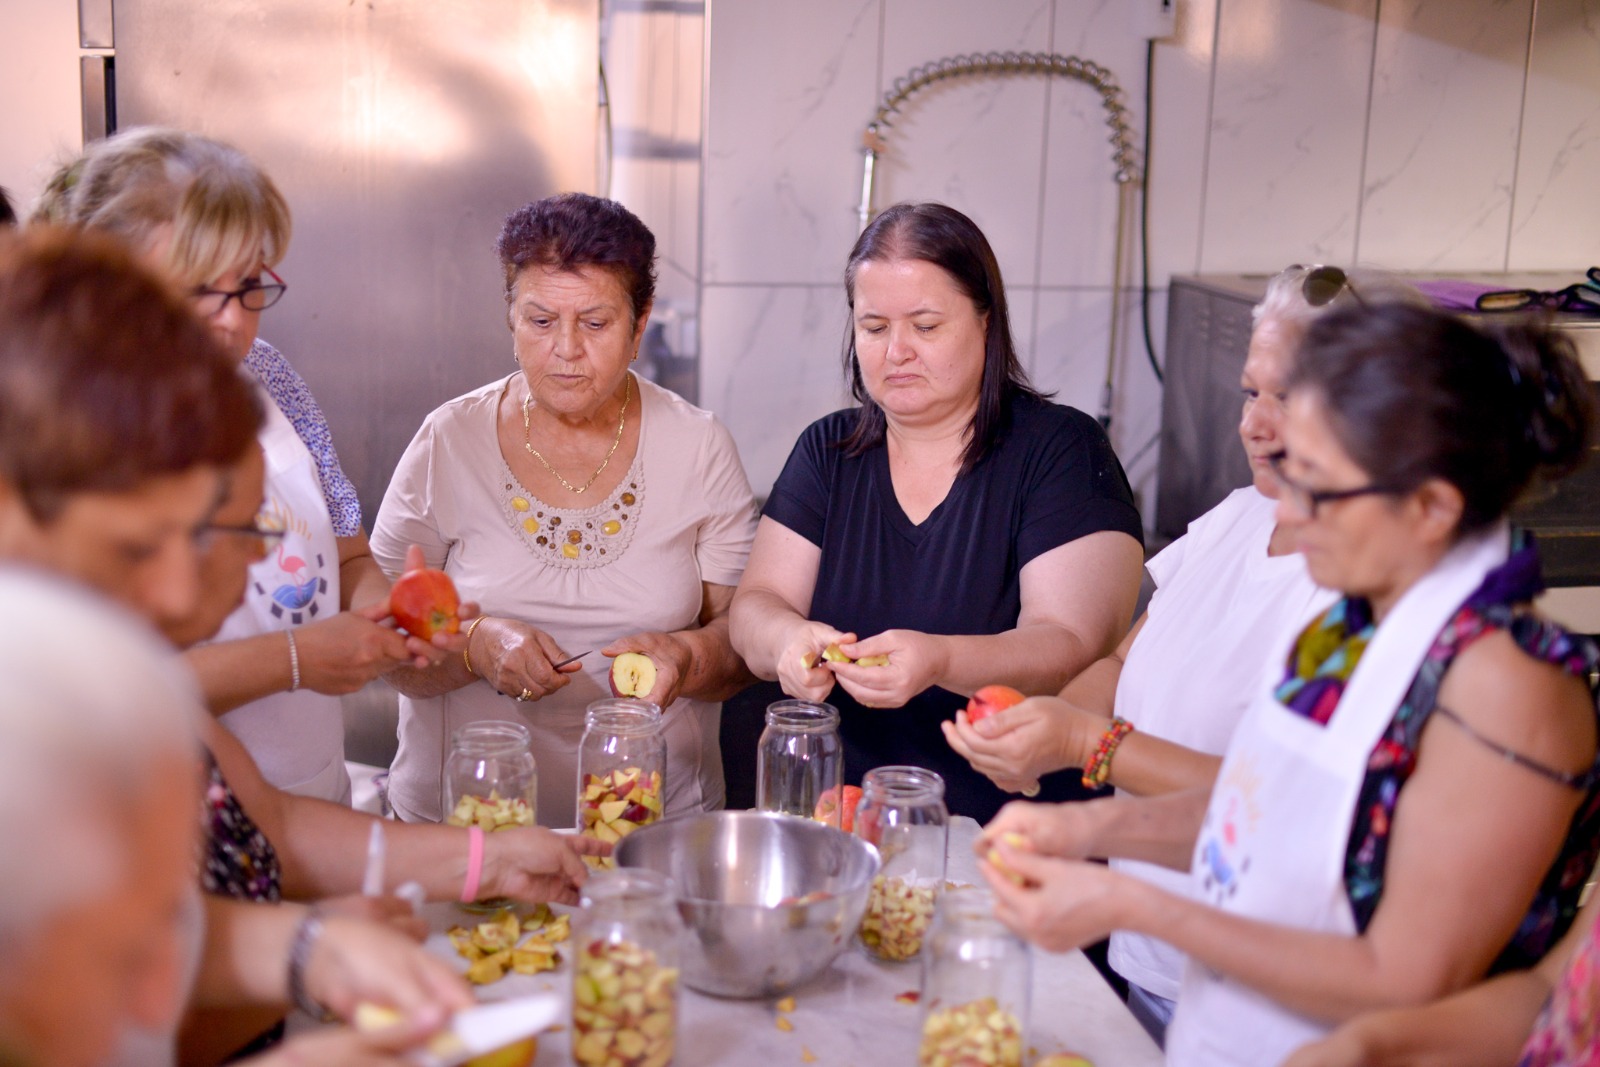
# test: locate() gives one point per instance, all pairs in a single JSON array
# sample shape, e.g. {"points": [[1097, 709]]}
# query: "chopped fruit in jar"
{"points": [[624, 1006], [491, 813], [898, 913], [980, 1032], [615, 804]]}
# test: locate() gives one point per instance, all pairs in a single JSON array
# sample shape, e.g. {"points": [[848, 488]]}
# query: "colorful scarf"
{"points": [[1324, 657], [1567, 1033]]}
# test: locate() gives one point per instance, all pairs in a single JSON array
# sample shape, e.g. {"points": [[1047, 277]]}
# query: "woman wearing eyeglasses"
{"points": [[1410, 800], [309, 627]]}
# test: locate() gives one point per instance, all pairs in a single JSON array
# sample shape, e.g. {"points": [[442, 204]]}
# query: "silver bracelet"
{"points": [[305, 939], [294, 662]]}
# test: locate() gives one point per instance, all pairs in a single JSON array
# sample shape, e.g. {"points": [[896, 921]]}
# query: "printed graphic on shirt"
{"points": [[297, 586], [1228, 831]]}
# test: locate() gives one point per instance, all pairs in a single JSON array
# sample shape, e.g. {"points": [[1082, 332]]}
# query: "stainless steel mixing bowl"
{"points": [[740, 877]]}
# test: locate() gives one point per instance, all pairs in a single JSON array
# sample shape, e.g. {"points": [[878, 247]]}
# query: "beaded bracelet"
{"points": [[1098, 769], [294, 662]]}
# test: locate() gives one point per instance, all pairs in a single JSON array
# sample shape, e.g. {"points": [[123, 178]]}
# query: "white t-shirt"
{"points": [[1220, 603], [683, 515]]}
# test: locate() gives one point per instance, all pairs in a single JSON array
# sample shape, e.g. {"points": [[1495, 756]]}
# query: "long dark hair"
{"points": [[1414, 393], [943, 236]]}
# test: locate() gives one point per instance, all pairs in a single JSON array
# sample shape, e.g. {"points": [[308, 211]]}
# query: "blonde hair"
{"points": [[225, 214]]}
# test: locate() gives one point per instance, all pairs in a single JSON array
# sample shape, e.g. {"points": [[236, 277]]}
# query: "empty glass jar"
{"points": [[902, 813], [800, 761], [622, 766], [625, 972], [490, 778], [977, 978]]}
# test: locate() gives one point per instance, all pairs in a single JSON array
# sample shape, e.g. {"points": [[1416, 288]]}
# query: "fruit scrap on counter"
{"points": [[633, 674], [995, 860], [978, 1032], [491, 813], [910, 996], [898, 913], [807, 1056], [829, 806], [617, 803], [784, 1024], [990, 700], [1063, 1059], [624, 1007], [815, 897], [492, 949], [786, 1004]]}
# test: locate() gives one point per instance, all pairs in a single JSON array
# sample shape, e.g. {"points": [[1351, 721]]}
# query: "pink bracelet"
{"points": [[469, 889]]}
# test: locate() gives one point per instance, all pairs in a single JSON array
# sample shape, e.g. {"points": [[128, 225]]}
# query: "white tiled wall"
{"points": [[1425, 134]]}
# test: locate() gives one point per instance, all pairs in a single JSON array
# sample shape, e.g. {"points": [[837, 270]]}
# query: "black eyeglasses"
{"points": [[1581, 297], [206, 535], [255, 296], [1306, 500], [1322, 285]]}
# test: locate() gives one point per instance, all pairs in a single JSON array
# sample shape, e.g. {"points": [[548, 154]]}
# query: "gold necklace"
{"points": [[527, 442]]}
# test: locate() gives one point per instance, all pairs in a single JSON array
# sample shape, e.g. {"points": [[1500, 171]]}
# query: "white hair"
{"points": [[92, 702], [1285, 301]]}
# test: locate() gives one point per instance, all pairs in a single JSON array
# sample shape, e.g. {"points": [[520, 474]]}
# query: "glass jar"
{"points": [[625, 974], [622, 766], [977, 978], [800, 761], [490, 778], [902, 814]]}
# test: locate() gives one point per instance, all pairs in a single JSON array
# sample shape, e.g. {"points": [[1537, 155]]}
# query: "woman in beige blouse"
{"points": [[585, 509]]}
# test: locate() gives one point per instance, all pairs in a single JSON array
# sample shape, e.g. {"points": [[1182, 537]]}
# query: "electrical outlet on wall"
{"points": [[1154, 20]]}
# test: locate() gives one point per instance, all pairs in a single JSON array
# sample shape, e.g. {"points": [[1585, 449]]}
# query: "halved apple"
{"points": [[992, 699], [633, 674]]}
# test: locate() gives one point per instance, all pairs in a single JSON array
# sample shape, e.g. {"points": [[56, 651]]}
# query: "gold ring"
{"points": [[527, 694], [1031, 790]]}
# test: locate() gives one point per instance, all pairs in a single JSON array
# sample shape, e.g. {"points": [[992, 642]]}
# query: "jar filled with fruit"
{"points": [[622, 763], [902, 814], [625, 974], [800, 761], [976, 982], [490, 778]]}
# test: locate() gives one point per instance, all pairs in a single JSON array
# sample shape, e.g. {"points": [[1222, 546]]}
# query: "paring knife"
{"points": [[487, 1027], [574, 659]]}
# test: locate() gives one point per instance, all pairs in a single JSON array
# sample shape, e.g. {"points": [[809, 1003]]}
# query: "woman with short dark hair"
{"points": [[956, 522], [1413, 798], [585, 508]]}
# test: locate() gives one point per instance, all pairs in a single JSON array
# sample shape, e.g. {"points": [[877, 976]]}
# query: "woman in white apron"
{"points": [[1358, 850], [308, 628]]}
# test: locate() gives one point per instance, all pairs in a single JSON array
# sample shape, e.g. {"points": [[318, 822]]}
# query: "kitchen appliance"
{"points": [[402, 132]]}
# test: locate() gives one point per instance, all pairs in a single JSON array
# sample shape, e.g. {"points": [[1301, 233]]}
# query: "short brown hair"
{"points": [[573, 230], [107, 378]]}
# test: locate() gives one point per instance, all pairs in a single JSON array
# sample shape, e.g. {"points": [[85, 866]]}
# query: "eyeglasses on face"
{"points": [[255, 296], [1307, 500], [1322, 285], [208, 535]]}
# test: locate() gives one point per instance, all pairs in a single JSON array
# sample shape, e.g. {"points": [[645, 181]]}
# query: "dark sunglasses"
{"points": [[1322, 285], [1582, 297]]}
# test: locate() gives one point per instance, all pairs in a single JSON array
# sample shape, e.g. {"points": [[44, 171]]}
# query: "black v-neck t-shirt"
{"points": [[1051, 478]]}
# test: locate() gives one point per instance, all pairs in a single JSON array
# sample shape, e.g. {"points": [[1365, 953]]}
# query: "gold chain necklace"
{"points": [[527, 442]]}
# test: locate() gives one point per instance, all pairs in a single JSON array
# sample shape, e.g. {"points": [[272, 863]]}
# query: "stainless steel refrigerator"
{"points": [[402, 132]]}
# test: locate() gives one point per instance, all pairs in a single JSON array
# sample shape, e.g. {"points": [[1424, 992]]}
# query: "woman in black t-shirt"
{"points": [[957, 522]]}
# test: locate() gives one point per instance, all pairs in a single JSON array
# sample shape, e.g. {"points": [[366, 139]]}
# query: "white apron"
{"points": [[296, 738], [1273, 843]]}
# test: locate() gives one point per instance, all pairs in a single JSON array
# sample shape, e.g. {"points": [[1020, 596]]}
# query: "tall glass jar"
{"points": [[800, 761], [622, 766], [625, 974], [902, 814], [490, 778], [977, 979]]}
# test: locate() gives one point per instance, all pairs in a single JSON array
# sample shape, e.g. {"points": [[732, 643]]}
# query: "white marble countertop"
{"points": [[848, 1016]]}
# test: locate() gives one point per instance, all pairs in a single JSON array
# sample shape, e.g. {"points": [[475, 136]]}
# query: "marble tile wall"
{"points": [[1445, 135]]}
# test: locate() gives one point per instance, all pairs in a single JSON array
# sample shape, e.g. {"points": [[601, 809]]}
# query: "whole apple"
{"points": [[424, 602], [991, 699]]}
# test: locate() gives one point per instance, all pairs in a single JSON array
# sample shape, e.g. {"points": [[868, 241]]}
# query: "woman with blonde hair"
{"points": [[309, 628]]}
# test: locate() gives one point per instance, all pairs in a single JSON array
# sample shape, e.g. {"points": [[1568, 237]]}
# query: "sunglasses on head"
{"points": [[1322, 285]]}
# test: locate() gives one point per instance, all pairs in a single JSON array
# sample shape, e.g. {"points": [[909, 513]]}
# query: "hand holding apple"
{"points": [[424, 602], [650, 666], [802, 672], [1066, 831], [1015, 746], [915, 661]]}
